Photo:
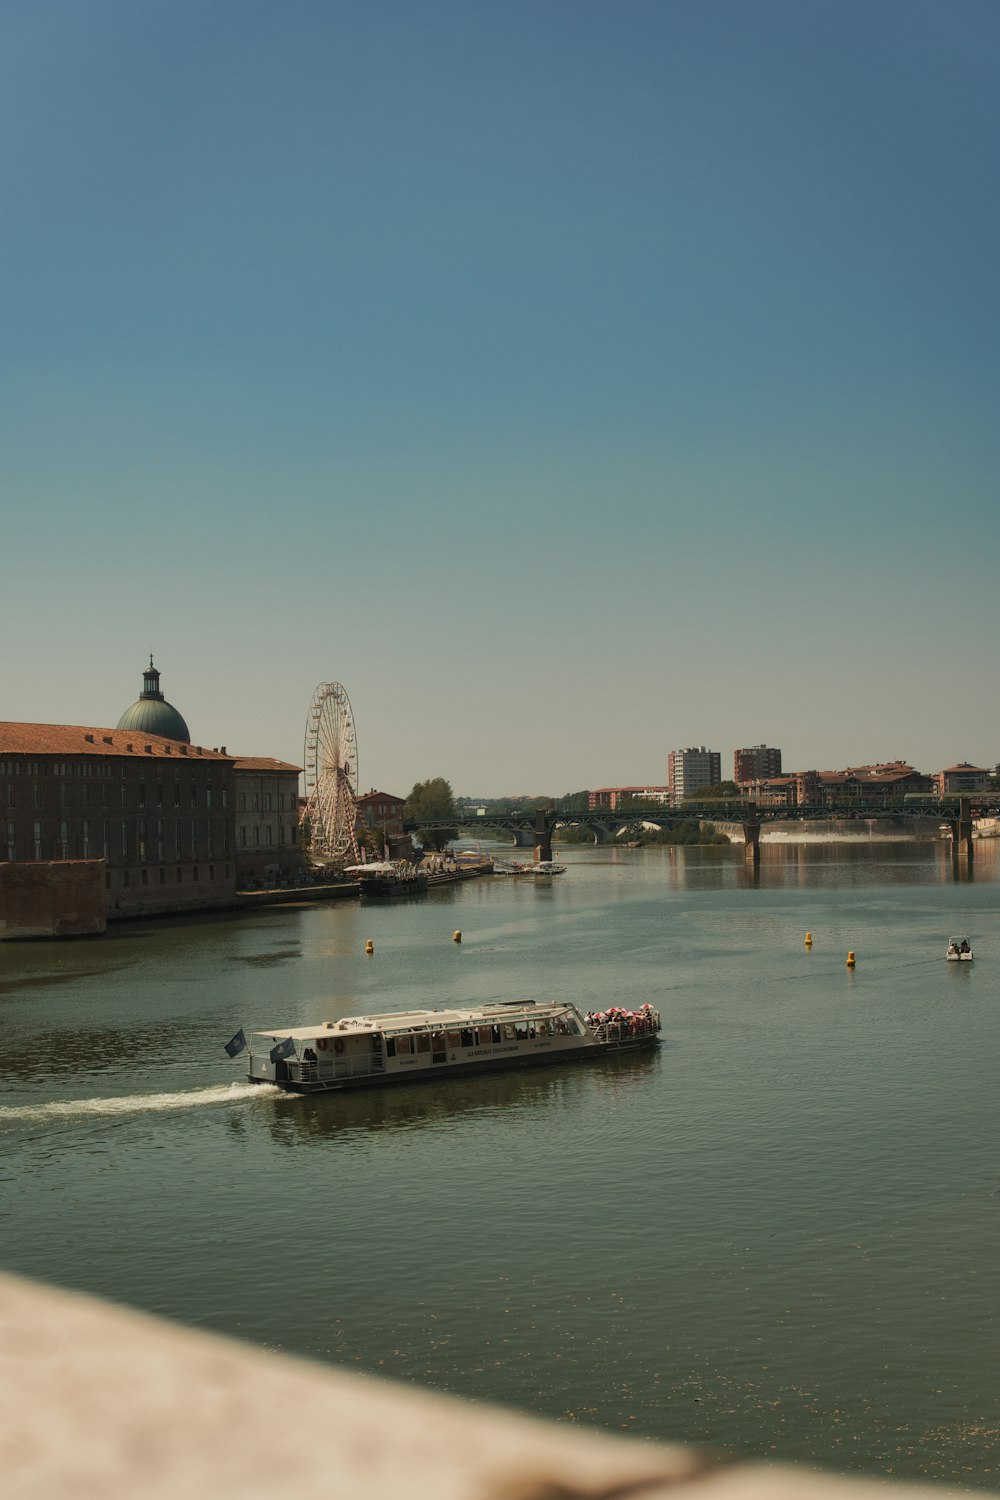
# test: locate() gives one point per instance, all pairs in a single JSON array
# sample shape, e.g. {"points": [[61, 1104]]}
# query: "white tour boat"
{"points": [[421, 1044], [959, 951]]}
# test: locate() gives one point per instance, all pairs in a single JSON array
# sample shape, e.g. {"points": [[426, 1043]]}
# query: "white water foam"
{"points": [[64, 1109]]}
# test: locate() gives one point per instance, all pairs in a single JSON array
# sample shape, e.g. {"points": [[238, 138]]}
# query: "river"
{"points": [[775, 1237]]}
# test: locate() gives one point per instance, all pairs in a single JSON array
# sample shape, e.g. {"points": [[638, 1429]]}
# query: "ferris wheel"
{"points": [[331, 770]]}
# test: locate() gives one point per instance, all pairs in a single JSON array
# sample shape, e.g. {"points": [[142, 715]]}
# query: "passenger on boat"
{"points": [[963, 947], [953, 947]]}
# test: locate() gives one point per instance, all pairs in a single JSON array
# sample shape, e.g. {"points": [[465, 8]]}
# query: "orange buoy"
{"points": [[809, 940], [369, 946], [850, 959], [456, 936]]}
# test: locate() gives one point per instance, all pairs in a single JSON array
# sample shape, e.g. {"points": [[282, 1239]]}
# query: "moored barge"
{"points": [[361, 1051]]}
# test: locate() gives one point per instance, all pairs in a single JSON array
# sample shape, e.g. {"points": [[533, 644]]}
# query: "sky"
{"points": [[571, 381]]}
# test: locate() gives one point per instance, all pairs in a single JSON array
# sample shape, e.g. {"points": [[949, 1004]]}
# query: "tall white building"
{"points": [[687, 770]]}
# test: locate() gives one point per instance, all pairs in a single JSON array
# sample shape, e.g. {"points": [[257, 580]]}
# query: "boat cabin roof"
{"points": [[423, 1020]]}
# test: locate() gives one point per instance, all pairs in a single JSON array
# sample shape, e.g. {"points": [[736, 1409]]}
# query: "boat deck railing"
{"points": [[609, 1032]]}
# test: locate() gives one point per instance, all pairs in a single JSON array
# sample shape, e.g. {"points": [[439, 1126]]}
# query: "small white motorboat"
{"points": [[959, 951]]}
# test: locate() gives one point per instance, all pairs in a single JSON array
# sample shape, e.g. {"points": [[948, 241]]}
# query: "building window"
{"points": [[177, 794], [163, 877], [267, 835], [194, 873], [243, 801], [105, 796], [180, 877], [211, 872], [194, 839], [281, 801], [267, 801], [159, 794], [86, 840], [142, 838], [243, 838], [106, 831], [11, 842], [124, 791], [37, 829], [256, 834], [63, 839], [145, 877], [208, 796], [38, 795], [225, 797], [256, 801], [194, 794], [126, 878], [142, 794], [124, 839]]}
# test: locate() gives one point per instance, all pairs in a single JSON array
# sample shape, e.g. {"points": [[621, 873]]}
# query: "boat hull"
{"points": [[465, 1069]]}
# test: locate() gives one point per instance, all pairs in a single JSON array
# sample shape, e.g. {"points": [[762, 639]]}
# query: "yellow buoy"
{"points": [[809, 939], [850, 959], [456, 936], [369, 946]]}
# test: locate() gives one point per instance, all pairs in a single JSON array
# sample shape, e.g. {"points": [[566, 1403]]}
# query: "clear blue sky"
{"points": [[571, 381]]}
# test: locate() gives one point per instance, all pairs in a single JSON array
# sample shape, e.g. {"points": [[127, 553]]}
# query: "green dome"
{"points": [[152, 714]]}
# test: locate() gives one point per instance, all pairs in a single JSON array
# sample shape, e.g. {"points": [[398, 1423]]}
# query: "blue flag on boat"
{"points": [[238, 1044], [282, 1049]]}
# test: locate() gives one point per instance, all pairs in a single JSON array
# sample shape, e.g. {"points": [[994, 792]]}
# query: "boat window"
{"points": [[509, 1034], [403, 1046], [521, 1030], [495, 1033], [454, 1039], [468, 1037], [390, 1046], [486, 1035], [543, 1028], [423, 1041]]}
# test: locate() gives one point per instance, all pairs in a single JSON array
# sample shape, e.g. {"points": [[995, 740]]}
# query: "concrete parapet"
{"points": [[102, 1402]]}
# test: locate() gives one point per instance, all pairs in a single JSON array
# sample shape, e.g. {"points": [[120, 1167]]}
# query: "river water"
{"points": [[776, 1237]]}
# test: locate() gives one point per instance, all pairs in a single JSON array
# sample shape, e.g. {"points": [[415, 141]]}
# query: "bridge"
{"points": [[535, 828]]}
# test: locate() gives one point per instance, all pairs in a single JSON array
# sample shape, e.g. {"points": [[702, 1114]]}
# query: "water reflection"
{"points": [[87, 1051], [406, 1106]]}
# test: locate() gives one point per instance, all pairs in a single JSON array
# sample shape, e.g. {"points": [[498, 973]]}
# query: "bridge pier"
{"points": [[543, 835], [751, 835], [961, 830]]}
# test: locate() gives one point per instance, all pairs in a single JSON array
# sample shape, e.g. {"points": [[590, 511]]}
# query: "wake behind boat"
{"points": [[362, 1051]]}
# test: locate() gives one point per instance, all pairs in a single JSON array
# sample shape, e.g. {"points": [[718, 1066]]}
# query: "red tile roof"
{"points": [[79, 739], [263, 763]]}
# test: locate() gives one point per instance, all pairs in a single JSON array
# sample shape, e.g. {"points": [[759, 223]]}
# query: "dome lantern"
{"points": [[152, 714]]}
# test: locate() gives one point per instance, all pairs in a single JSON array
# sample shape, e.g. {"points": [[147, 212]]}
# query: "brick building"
{"points": [[173, 826], [756, 763], [611, 798], [963, 778], [157, 811], [267, 821]]}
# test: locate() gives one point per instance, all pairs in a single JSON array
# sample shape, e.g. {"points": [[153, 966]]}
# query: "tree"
{"points": [[726, 791], [431, 800]]}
